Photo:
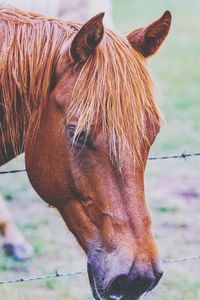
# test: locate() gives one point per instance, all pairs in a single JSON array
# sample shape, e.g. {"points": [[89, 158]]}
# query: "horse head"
{"points": [[89, 155]]}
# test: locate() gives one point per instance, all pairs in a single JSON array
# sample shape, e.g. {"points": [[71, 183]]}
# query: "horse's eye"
{"points": [[82, 140]]}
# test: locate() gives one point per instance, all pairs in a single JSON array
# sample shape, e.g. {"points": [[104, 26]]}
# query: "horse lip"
{"points": [[154, 284], [96, 294], [93, 283]]}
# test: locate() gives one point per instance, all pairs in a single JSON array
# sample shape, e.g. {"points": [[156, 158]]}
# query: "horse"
{"points": [[79, 100], [15, 243]]}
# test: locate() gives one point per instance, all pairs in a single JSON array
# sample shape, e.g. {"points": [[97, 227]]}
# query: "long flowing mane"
{"points": [[114, 88], [30, 46]]}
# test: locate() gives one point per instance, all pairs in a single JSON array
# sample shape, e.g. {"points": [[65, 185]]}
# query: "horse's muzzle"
{"points": [[126, 287]]}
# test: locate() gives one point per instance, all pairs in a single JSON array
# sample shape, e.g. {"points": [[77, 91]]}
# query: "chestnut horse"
{"points": [[79, 101]]}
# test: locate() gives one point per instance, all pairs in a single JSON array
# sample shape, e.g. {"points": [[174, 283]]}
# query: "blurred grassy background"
{"points": [[172, 187]]}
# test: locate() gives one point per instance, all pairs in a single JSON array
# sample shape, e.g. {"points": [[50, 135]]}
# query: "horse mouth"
{"points": [[93, 286], [104, 295]]}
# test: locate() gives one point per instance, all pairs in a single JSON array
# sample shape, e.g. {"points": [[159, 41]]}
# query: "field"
{"points": [[172, 187]]}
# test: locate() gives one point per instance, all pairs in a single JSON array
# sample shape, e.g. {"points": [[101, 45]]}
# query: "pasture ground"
{"points": [[172, 187]]}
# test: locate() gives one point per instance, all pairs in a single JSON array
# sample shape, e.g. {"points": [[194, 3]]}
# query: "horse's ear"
{"points": [[148, 40], [87, 39]]}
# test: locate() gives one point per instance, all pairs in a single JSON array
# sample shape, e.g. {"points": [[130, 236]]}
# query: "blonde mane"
{"points": [[114, 89]]}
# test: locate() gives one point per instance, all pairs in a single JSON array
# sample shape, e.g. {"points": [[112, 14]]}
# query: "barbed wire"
{"points": [[60, 275], [43, 277], [184, 155]]}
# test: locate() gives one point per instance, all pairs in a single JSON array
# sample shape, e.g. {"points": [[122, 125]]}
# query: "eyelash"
{"points": [[82, 139]]}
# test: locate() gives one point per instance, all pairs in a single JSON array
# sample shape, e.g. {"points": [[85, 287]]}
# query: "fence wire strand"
{"points": [[60, 275], [12, 172], [184, 155], [44, 277]]}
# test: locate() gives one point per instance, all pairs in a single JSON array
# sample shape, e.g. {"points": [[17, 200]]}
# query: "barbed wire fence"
{"points": [[57, 274], [60, 275]]}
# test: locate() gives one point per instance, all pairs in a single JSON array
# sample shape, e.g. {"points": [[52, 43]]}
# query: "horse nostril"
{"points": [[118, 286], [132, 286]]}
